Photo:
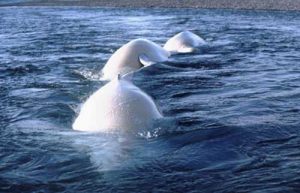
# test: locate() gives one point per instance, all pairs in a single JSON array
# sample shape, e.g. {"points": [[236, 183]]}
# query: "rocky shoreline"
{"points": [[218, 4]]}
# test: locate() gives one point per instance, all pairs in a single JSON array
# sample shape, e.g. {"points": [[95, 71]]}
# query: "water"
{"points": [[232, 109]]}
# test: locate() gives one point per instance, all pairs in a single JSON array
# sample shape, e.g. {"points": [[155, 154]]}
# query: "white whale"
{"points": [[117, 105], [132, 56], [183, 42]]}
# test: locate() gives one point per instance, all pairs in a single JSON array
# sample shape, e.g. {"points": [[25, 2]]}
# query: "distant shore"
{"points": [[218, 4]]}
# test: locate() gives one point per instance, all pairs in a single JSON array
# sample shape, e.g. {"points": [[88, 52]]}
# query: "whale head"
{"points": [[133, 56], [117, 105], [183, 42]]}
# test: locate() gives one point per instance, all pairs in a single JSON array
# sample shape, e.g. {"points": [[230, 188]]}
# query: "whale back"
{"points": [[132, 56], [183, 42], [117, 105]]}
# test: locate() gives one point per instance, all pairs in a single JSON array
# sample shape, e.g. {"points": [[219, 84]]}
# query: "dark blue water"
{"points": [[232, 109]]}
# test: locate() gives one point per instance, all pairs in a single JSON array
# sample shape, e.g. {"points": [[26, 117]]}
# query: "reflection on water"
{"points": [[232, 108]]}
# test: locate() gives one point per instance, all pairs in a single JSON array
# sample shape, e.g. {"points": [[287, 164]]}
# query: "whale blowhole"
{"points": [[118, 105], [184, 42], [133, 56]]}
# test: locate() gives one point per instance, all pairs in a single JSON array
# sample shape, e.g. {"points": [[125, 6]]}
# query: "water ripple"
{"points": [[232, 107]]}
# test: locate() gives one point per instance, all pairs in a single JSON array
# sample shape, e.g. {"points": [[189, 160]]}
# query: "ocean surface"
{"points": [[232, 109]]}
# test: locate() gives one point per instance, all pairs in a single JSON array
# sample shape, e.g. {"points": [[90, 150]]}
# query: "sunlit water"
{"points": [[232, 109]]}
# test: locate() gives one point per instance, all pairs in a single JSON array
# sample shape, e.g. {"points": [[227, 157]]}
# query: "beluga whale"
{"points": [[133, 56], [184, 42], [118, 105]]}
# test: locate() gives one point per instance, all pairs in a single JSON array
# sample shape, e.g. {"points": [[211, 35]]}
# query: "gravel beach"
{"points": [[226, 4]]}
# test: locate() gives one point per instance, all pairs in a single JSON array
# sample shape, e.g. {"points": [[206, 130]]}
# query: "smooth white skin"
{"points": [[132, 56], [117, 105], [184, 42]]}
